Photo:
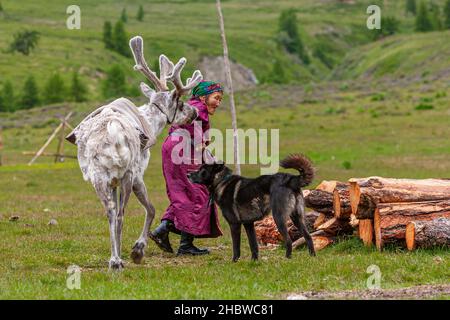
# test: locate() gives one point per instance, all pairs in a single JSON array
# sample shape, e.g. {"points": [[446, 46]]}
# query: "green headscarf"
{"points": [[205, 88]]}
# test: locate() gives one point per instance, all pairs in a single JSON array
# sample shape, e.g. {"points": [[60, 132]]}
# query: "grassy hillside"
{"points": [[412, 56], [183, 28]]}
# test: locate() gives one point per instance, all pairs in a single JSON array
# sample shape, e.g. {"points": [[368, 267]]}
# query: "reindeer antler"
{"points": [[175, 78], [168, 72], [165, 65]]}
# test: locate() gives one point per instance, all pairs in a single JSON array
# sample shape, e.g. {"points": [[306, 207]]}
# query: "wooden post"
{"points": [[60, 151], [230, 87], [49, 139]]}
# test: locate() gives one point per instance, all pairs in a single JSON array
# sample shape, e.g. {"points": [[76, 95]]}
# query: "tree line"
{"points": [[30, 96]]}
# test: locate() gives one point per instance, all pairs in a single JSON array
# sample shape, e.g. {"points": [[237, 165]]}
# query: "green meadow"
{"points": [[383, 109]]}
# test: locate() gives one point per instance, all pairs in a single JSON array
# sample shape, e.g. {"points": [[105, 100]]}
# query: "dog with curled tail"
{"points": [[246, 200]]}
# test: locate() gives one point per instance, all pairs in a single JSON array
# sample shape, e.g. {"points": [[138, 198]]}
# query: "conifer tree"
{"points": [[30, 94]]}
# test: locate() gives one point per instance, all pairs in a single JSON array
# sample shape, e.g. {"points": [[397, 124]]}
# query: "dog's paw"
{"points": [[235, 259]]}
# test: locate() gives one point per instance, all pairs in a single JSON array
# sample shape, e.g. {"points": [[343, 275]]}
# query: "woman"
{"points": [[190, 213]]}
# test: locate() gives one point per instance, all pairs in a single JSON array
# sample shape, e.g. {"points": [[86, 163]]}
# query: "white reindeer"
{"points": [[113, 144]]}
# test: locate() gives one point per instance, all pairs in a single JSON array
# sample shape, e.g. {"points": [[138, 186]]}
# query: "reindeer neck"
{"points": [[154, 117]]}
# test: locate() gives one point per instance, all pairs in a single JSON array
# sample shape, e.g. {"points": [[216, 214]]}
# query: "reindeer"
{"points": [[113, 144]]}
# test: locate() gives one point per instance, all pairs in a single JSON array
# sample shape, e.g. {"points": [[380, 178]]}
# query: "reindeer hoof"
{"points": [[137, 255], [115, 264]]}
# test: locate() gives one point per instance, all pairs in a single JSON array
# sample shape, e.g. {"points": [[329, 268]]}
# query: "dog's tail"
{"points": [[304, 166]]}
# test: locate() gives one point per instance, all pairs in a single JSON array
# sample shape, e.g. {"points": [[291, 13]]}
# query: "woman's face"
{"points": [[212, 101]]}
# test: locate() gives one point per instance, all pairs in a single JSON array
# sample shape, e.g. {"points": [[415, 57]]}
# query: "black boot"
{"points": [[187, 247], [161, 235]]}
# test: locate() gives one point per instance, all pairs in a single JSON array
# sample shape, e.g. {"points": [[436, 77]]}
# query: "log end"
{"points": [[377, 229], [410, 236], [366, 231], [336, 204], [321, 242]]}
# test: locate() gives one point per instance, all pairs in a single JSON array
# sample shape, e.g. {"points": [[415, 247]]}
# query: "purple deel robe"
{"points": [[188, 209]]}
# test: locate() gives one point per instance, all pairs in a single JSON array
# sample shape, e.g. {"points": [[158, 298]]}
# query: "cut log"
{"points": [[320, 201], [336, 227], [366, 231], [267, 231], [327, 186], [301, 241], [310, 219], [321, 242], [427, 234], [341, 202], [390, 219], [321, 219], [366, 193]]}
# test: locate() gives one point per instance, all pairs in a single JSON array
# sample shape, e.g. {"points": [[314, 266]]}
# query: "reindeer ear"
{"points": [[147, 91]]}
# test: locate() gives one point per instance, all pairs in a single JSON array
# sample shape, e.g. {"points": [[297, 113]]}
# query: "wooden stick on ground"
{"points": [[47, 154], [301, 241]]}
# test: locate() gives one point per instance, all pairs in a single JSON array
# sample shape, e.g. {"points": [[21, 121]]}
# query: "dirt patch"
{"points": [[417, 292]]}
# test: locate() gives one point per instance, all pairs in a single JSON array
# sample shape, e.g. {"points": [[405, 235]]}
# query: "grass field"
{"points": [[383, 110], [378, 136]]}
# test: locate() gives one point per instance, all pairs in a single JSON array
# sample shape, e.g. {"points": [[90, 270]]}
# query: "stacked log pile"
{"points": [[382, 207], [410, 212]]}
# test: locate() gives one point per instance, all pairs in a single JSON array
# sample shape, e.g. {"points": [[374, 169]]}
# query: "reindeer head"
{"points": [[166, 100]]}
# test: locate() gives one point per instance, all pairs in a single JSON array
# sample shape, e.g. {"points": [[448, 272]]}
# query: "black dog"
{"points": [[244, 200]]}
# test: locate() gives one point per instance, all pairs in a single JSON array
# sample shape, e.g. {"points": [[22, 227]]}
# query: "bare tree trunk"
{"points": [[230, 87]]}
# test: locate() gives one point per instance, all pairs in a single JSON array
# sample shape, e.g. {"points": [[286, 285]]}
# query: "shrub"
{"points": [[24, 42]]}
